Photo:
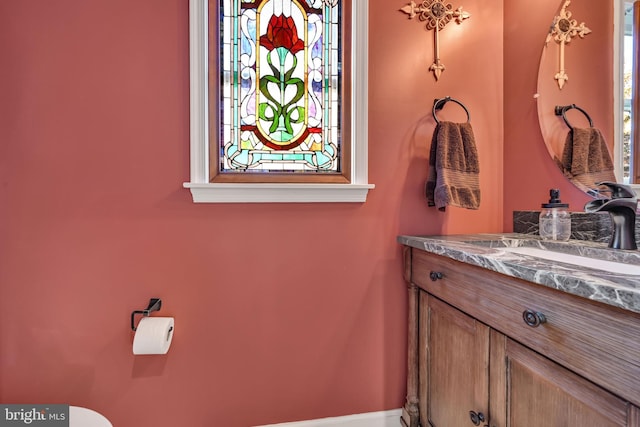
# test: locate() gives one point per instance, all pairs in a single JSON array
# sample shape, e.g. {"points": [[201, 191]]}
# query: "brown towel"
{"points": [[453, 167], [586, 159]]}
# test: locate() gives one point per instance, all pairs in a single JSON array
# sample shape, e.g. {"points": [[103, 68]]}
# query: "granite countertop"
{"points": [[490, 251]]}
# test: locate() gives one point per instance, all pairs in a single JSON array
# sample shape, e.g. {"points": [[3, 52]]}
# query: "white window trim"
{"points": [[618, 91], [205, 192], [618, 95]]}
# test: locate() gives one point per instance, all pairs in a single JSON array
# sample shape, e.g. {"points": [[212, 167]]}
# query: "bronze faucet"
{"points": [[622, 208]]}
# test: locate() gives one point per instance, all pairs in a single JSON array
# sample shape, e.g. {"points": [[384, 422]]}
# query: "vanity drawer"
{"points": [[597, 341]]}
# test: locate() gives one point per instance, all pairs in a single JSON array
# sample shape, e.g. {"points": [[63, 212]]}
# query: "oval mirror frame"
{"points": [[589, 66]]}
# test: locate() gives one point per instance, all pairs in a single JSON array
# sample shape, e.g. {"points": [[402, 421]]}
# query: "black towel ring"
{"points": [[438, 104], [562, 109]]}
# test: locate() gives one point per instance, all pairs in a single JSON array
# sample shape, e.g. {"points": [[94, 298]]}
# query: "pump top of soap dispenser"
{"points": [[554, 200], [555, 220]]}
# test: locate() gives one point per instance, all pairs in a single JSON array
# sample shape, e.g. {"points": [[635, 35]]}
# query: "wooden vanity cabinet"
{"points": [[540, 392], [453, 364], [472, 359]]}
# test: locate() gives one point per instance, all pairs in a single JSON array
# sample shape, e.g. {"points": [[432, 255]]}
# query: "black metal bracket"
{"points": [[561, 110], [154, 305], [438, 104]]}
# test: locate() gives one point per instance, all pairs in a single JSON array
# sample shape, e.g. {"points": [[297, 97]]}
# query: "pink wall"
{"points": [[528, 169], [94, 221]]}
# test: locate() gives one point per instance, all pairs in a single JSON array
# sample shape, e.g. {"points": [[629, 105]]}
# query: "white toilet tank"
{"points": [[83, 417]]}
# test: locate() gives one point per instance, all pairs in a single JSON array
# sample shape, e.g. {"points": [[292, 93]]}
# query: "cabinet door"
{"points": [[453, 364], [539, 392]]}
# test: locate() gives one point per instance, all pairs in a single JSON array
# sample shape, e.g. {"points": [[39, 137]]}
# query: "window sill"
{"points": [[278, 193]]}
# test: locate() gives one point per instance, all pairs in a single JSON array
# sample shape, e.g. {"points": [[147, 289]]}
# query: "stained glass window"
{"points": [[280, 102]]}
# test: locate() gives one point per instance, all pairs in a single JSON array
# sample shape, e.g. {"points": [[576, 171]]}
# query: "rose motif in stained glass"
{"points": [[281, 90], [282, 32]]}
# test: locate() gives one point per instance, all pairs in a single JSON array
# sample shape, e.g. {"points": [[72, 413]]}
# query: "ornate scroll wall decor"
{"points": [[562, 30], [437, 15]]}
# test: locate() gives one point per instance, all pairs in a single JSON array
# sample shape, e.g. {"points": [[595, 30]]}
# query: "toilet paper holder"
{"points": [[154, 305]]}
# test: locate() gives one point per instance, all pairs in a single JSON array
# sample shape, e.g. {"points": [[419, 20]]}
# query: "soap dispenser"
{"points": [[555, 218]]}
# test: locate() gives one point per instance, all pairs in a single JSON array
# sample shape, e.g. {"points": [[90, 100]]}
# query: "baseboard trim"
{"points": [[370, 419]]}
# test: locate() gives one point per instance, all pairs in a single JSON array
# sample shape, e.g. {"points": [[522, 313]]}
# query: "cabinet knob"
{"points": [[476, 417], [533, 318], [435, 275]]}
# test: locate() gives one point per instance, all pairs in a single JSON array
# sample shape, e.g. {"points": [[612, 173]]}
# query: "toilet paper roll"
{"points": [[153, 335]]}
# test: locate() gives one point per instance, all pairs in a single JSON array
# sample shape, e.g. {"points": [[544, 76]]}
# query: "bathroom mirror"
{"points": [[588, 62]]}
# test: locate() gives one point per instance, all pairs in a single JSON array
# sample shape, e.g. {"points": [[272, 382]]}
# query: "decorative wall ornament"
{"points": [[437, 15], [562, 30]]}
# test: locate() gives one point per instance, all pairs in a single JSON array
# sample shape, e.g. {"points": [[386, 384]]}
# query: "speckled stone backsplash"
{"points": [[594, 227]]}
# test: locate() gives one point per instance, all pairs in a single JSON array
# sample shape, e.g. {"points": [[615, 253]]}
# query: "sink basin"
{"points": [[610, 266]]}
